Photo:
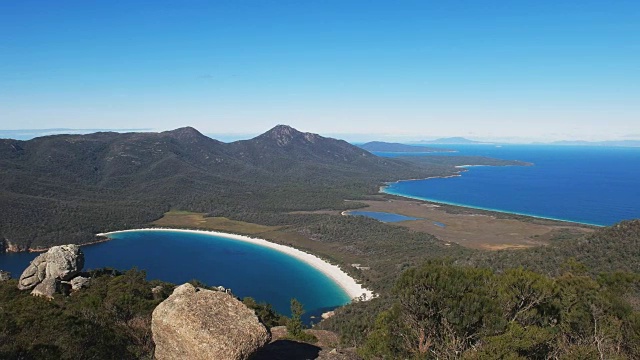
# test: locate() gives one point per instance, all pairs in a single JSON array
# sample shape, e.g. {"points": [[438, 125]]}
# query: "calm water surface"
{"points": [[594, 185], [248, 269], [381, 216]]}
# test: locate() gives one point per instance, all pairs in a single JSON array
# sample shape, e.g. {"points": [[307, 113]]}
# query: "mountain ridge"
{"points": [[72, 186]]}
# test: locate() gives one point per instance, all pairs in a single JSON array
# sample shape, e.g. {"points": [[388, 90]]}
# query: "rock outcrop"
{"points": [[79, 282], [46, 271], [46, 288], [34, 273], [195, 323], [9, 247], [64, 262], [5, 275]]}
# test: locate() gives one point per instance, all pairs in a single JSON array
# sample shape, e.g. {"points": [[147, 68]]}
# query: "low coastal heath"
{"points": [[347, 283]]}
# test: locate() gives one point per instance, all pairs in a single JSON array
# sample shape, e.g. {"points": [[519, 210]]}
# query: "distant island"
{"points": [[452, 141], [397, 147], [620, 143]]}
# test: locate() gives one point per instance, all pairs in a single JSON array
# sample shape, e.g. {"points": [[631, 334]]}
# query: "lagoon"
{"points": [[381, 216]]}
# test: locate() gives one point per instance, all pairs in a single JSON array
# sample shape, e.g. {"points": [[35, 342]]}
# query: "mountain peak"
{"points": [[280, 130], [284, 134], [185, 133]]}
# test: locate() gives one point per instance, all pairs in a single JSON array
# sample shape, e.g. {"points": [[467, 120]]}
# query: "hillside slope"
{"points": [[65, 188], [614, 248]]}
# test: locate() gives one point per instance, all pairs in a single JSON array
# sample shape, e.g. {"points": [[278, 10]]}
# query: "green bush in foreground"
{"points": [[109, 320], [295, 326], [448, 312]]}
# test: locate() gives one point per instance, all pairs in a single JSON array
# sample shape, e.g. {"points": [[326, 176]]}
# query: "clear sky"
{"points": [[393, 69]]}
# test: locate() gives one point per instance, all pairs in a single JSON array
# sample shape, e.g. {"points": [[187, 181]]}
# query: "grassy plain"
{"points": [[187, 219], [476, 229]]}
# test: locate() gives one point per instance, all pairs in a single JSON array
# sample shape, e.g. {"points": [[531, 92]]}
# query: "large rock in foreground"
{"points": [[60, 263], [204, 324], [34, 273], [64, 262]]}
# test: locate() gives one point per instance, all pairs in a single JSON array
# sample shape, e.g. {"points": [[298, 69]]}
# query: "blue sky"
{"points": [[541, 70]]}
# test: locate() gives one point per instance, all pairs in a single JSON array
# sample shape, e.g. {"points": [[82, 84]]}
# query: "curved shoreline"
{"points": [[348, 284], [383, 189]]}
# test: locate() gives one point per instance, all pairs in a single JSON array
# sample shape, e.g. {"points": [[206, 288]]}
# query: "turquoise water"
{"points": [[382, 216], [248, 269], [592, 185]]}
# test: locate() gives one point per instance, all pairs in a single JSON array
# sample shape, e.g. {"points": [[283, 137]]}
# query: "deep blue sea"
{"points": [[593, 185], [248, 269]]}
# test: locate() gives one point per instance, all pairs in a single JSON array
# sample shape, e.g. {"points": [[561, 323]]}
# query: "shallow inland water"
{"points": [[381, 216], [248, 269]]}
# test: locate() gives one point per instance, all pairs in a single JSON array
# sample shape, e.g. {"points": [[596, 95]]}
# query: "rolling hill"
{"points": [[65, 188]]}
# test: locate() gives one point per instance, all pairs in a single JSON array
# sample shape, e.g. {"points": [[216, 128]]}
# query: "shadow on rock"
{"points": [[287, 350]]}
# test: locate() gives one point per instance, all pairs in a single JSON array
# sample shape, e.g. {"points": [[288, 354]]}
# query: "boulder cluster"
{"points": [[192, 323], [54, 271]]}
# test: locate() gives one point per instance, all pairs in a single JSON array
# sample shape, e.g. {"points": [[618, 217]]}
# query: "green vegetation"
{"points": [[575, 298], [443, 311], [187, 219], [295, 326], [265, 312], [615, 248], [66, 188], [109, 320]]}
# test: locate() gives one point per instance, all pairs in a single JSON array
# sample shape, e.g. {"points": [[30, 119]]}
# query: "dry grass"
{"points": [[479, 231], [185, 219], [474, 229]]}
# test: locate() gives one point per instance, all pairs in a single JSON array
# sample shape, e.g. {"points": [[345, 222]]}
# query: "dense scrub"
{"points": [[65, 188], [109, 320], [615, 248], [442, 311]]}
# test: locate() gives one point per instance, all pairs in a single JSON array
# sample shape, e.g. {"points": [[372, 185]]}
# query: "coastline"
{"points": [[41, 250], [348, 284], [383, 190]]}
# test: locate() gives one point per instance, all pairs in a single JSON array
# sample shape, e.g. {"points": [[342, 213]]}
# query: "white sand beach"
{"points": [[347, 283]]}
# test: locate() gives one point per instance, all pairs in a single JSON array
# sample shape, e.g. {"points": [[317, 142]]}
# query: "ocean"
{"points": [[591, 185], [248, 269]]}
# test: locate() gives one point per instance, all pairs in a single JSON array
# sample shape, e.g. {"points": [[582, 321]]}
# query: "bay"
{"points": [[592, 185], [248, 269]]}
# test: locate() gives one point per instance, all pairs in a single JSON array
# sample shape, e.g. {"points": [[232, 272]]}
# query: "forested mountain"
{"points": [[65, 188]]}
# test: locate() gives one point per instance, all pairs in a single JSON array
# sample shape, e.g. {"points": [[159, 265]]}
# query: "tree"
{"points": [[295, 325], [447, 308]]}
